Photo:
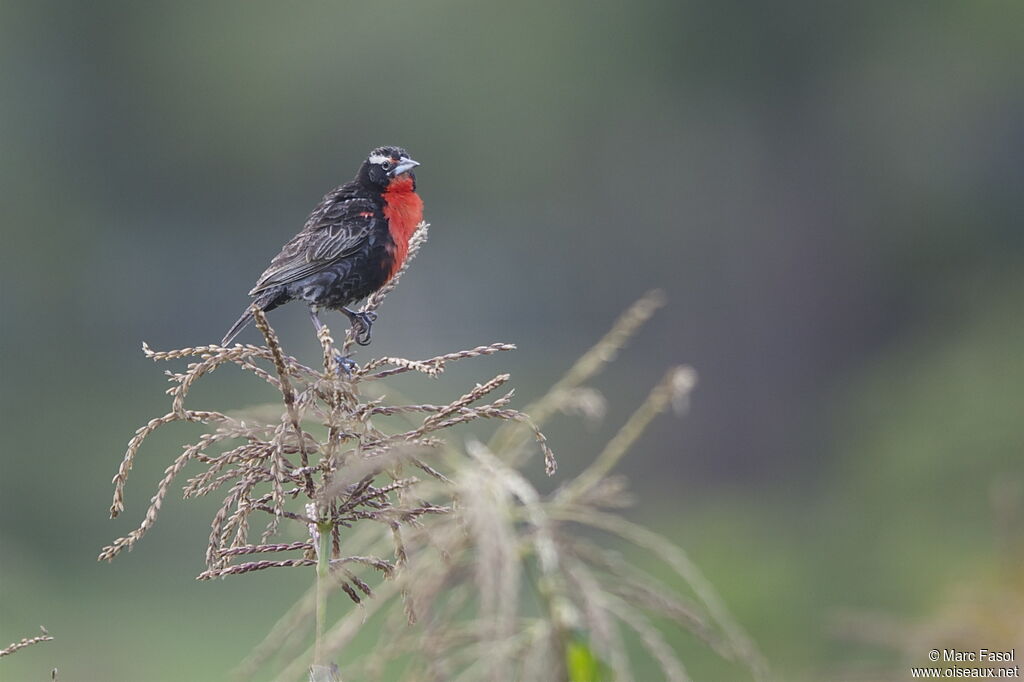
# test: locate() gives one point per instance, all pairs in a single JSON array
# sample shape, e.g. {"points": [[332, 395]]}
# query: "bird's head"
{"points": [[386, 164]]}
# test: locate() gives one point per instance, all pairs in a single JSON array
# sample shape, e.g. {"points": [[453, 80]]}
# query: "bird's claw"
{"points": [[346, 365], [361, 325]]}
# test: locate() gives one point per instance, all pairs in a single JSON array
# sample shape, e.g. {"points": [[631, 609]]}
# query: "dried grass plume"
{"points": [[441, 538]]}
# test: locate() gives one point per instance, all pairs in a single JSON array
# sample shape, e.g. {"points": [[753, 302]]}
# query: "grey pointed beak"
{"points": [[403, 166]]}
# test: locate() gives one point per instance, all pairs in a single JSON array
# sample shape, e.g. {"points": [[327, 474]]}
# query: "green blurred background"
{"points": [[830, 194]]}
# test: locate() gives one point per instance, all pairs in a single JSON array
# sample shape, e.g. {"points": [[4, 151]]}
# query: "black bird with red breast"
{"points": [[352, 244]]}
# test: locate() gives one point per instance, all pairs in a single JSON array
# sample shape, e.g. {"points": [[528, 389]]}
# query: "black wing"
{"points": [[336, 228]]}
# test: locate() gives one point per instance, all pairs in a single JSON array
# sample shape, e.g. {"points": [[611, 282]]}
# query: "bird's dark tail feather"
{"points": [[266, 301], [237, 327]]}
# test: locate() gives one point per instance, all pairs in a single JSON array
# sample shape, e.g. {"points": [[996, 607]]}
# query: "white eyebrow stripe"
{"points": [[378, 159]]}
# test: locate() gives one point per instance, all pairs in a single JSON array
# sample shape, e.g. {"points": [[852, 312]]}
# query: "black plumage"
{"points": [[344, 252]]}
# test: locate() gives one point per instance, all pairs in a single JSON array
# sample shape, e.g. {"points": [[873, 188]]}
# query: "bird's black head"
{"points": [[383, 165]]}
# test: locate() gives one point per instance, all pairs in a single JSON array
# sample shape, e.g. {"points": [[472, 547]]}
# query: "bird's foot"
{"points": [[346, 365], [362, 323]]}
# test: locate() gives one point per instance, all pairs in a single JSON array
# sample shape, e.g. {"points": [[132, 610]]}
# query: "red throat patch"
{"points": [[404, 210]]}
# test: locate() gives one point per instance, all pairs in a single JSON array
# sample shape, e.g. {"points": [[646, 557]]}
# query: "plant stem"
{"points": [[323, 576]]}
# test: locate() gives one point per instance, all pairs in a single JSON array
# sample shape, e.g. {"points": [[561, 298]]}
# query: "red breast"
{"points": [[403, 209]]}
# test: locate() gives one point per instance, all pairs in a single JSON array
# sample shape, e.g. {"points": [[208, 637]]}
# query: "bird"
{"points": [[352, 244]]}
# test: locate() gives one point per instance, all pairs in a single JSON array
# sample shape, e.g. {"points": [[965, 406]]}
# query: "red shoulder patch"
{"points": [[403, 209]]}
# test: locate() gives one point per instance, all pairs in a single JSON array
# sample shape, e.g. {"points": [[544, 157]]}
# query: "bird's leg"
{"points": [[345, 363], [361, 324]]}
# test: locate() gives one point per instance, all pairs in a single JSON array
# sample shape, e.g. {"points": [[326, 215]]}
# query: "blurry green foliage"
{"points": [[582, 664]]}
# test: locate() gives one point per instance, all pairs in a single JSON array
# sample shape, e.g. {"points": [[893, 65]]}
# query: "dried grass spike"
{"points": [[26, 642]]}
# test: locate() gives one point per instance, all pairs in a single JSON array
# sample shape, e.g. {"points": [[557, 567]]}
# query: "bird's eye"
{"points": [[386, 165]]}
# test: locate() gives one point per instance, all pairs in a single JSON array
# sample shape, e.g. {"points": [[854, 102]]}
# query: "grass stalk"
{"points": [[437, 559], [323, 576]]}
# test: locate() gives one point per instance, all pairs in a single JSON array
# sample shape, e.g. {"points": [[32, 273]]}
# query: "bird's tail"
{"points": [[237, 327], [266, 301]]}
